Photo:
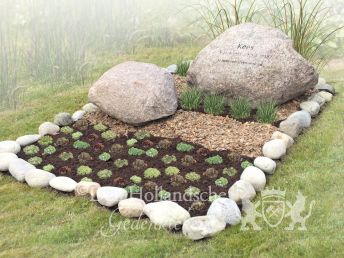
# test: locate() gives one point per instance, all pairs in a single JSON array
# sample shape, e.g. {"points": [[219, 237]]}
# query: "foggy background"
{"points": [[59, 43]]}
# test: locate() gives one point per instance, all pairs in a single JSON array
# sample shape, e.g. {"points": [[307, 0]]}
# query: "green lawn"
{"points": [[42, 223]]}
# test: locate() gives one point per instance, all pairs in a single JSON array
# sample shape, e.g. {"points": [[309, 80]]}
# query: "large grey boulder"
{"points": [[275, 149], [303, 118], [110, 196], [9, 147], [255, 177], [225, 209], [18, 168], [241, 190], [38, 178], [135, 93], [28, 139], [5, 160], [63, 184], [255, 62], [200, 227], [312, 107]]}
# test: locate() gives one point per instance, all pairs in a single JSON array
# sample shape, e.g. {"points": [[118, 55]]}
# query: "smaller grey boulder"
{"points": [[63, 119], [284, 137], [172, 68], [77, 115], [131, 208], [303, 118], [255, 177], [311, 107], [318, 99], [274, 149], [90, 108], [48, 128], [326, 95], [200, 227], [5, 160], [110, 196], [9, 147], [241, 190], [38, 178], [267, 165], [225, 209], [28, 139], [326, 87], [18, 168], [291, 128], [63, 184]]}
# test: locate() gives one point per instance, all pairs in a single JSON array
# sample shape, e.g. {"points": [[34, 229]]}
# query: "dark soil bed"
{"points": [[121, 177]]}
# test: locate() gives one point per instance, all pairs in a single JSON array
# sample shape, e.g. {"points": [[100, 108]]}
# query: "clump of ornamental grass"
{"points": [[240, 108], [191, 99], [31, 150], [214, 160], [171, 171], [151, 173], [214, 104], [81, 145], [35, 161], [104, 174], [65, 156], [183, 67], [168, 159], [152, 152], [109, 135], [46, 140], [120, 163], [104, 156], [135, 151], [184, 147], [84, 170], [49, 150], [267, 112]]}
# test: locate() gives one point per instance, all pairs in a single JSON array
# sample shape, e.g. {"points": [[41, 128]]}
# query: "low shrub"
{"points": [[192, 176], [77, 135], [214, 160], [109, 135], [100, 127], [245, 164], [240, 108], [192, 191], [152, 152], [48, 168], [84, 170], [81, 145], [46, 140], [214, 104], [222, 181], [67, 130], [168, 159], [229, 171], [104, 174], [151, 173], [49, 150], [104, 156], [267, 112], [171, 171], [141, 134], [65, 156], [31, 150], [191, 99], [184, 147], [164, 195], [135, 151], [136, 179], [120, 163], [35, 161], [183, 67]]}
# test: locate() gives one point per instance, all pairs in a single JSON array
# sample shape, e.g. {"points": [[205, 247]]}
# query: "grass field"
{"points": [[42, 223]]}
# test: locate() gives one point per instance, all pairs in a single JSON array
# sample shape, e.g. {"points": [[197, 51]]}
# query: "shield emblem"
{"points": [[273, 209]]}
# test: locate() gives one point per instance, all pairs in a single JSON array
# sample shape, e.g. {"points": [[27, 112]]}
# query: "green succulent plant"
{"points": [[211, 173], [86, 179], [152, 152], [35, 161], [49, 150], [48, 168], [184, 147], [31, 150], [109, 135], [135, 151], [46, 140], [171, 171], [133, 189], [191, 99], [84, 157], [214, 104], [120, 163], [142, 134], [105, 156], [116, 148], [229, 171], [62, 141], [151, 186], [131, 142], [104, 174], [164, 195], [192, 191], [177, 180], [65, 156], [136, 179], [214, 160], [164, 144], [84, 170], [77, 135], [213, 197], [192, 176], [151, 173], [100, 127], [240, 108], [81, 145], [245, 164], [222, 181], [168, 159], [139, 164], [267, 112], [67, 130], [188, 160]]}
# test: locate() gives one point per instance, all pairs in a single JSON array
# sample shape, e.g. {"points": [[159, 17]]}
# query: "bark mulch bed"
{"points": [[230, 168]]}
